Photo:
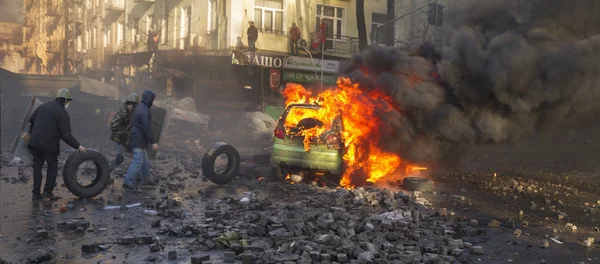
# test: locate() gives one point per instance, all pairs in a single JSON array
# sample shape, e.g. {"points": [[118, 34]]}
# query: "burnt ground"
{"points": [[543, 179]]}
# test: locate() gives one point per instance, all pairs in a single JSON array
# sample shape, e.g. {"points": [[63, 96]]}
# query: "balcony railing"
{"points": [[11, 38], [336, 45], [53, 46], [28, 52], [28, 22], [76, 17], [53, 9], [145, 1], [114, 5], [76, 55]]}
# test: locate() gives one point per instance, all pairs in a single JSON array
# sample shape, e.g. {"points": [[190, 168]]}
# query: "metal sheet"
{"points": [[159, 116], [98, 88], [189, 116], [19, 146]]}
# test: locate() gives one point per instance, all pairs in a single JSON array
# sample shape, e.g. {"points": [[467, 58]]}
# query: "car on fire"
{"points": [[295, 152]]}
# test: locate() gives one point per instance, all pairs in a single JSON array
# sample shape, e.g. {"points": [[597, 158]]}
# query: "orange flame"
{"points": [[358, 112], [414, 169]]}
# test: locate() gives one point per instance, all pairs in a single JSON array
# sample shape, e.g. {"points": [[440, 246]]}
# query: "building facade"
{"points": [[11, 40]]}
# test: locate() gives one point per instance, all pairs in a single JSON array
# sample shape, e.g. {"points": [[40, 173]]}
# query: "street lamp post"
{"points": [[313, 64]]}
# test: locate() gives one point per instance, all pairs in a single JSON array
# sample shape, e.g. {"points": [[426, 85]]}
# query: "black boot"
{"points": [[36, 196], [48, 195]]}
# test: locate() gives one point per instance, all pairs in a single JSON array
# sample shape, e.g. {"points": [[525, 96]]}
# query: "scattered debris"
{"points": [[114, 207]]}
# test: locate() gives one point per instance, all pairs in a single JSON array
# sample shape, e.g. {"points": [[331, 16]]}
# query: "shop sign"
{"points": [[275, 79], [257, 59], [308, 77], [303, 63]]}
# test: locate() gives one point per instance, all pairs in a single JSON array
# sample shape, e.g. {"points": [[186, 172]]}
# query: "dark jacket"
{"points": [[119, 126], [141, 122], [48, 125], [252, 33]]}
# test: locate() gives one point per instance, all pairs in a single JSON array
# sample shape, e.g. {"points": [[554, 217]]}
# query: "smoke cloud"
{"points": [[506, 71]]}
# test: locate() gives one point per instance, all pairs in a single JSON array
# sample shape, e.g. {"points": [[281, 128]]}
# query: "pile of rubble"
{"points": [[319, 224]]}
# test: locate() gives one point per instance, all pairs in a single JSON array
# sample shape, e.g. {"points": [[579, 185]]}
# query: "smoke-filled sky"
{"points": [[10, 11], [508, 70]]}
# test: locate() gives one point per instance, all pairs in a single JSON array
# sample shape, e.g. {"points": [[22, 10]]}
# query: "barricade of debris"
{"points": [[321, 224]]}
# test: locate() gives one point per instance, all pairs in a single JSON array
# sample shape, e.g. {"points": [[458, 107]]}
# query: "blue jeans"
{"points": [[120, 149], [139, 164]]}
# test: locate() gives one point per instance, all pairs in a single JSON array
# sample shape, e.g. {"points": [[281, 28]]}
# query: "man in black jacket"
{"points": [[140, 138], [252, 33], [48, 125]]}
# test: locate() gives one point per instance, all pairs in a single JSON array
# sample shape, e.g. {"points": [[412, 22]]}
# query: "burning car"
{"points": [[305, 142]]}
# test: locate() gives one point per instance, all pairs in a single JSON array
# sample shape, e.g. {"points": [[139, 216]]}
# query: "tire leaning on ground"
{"points": [[100, 181], [417, 184], [233, 164]]}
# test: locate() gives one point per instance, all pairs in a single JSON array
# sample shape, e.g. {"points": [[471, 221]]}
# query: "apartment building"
{"points": [[44, 24], [122, 26]]}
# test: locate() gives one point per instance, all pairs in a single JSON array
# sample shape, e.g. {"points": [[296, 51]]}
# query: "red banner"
{"points": [[275, 79]]}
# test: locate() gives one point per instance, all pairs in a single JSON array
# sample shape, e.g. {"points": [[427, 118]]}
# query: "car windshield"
{"points": [[297, 114]]}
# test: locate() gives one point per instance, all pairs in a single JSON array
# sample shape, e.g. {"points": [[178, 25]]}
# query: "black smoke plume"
{"points": [[506, 71]]}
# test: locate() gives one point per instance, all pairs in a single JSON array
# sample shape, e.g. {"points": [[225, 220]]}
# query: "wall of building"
{"points": [[304, 14], [107, 27]]}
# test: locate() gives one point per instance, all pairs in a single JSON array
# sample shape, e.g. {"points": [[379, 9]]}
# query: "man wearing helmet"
{"points": [[48, 125], [119, 126]]}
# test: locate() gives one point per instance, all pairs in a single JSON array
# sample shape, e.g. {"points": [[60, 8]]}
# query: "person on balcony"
{"points": [[252, 36], [295, 36], [150, 41], [319, 41]]}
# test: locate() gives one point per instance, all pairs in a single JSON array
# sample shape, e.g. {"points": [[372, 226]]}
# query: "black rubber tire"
{"points": [[417, 184], [100, 181], [233, 164]]}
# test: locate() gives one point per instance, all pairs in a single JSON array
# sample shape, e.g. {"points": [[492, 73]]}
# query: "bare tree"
{"points": [[391, 10]]}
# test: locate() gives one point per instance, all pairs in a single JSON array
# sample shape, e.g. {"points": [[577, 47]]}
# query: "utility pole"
{"points": [[376, 34], [66, 40]]}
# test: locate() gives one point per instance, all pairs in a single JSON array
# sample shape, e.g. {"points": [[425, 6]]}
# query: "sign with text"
{"points": [[275, 79], [303, 63], [257, 59], [308, 77]]}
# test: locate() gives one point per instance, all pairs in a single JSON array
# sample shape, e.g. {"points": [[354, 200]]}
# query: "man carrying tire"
{"points": [[120, 126], [48, 125], [140, 138]]}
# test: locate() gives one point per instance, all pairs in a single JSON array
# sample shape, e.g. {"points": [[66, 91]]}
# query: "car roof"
{"points": [[304, 106]]}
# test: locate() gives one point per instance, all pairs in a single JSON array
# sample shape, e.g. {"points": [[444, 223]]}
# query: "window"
{"points": [[88, 39], [120, 33], [268, 15], [376, 21], [105, 37], [185, 22], [94, 36], [79, 43], [135, 27], [334, 18], [163, 31], [213, 16], [149, 23]]}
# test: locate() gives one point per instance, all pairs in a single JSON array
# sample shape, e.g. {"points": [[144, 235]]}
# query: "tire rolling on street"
{"points": [[233, 164], [417, 184], [100, 181]]}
